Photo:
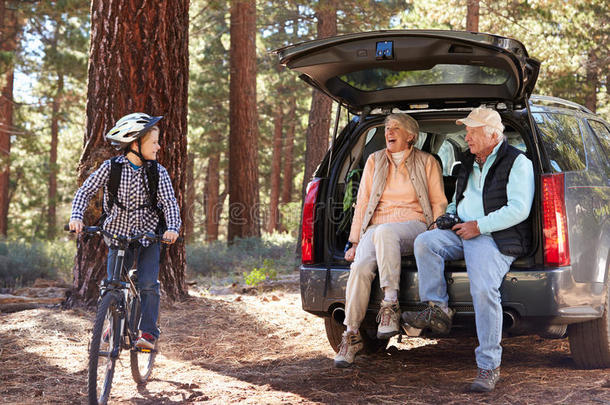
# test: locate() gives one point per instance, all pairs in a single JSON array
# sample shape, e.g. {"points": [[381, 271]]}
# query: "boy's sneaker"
{"points": [[351, 343], [432, 317], [146, 341], [486, 380], [388, 319]]}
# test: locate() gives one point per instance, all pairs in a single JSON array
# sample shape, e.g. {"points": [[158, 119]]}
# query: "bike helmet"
{"points": [[130, 128]]}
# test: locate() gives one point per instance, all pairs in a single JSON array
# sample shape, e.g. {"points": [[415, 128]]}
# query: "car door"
{"points": [[415, 69]]}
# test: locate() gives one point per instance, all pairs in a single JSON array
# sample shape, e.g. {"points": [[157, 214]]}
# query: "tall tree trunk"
{"points": [[8, 41], [189, 214], [276, 163], [472, 16], [243, 135], [138, 61], [319, 114], [592, 82], [52, 192], [288, 151], [212, 202]]}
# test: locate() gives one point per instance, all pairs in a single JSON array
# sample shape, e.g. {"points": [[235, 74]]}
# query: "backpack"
{"points": [[152, 186]]}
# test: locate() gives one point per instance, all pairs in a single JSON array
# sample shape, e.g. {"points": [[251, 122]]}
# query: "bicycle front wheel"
{"points": [[142, 361], [104, 349]]}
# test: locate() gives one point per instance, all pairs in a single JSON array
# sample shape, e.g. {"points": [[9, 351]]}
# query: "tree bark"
{"points": [[8, 42], [288, 151], [592, 82], [472, 16], [138, 62], [52, 192], [319, 114], [213, 207], [189, 214], [243, 135], [276, 163]]}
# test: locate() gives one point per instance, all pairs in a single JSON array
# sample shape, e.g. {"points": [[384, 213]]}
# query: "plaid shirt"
{"points": [[138, 216]]}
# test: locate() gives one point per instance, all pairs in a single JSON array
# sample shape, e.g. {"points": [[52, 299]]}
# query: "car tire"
{"points": [[590, 341], [334, 332]]}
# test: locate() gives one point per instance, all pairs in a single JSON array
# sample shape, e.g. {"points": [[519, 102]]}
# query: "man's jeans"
{"points": [[148, 283], [486, 268]]}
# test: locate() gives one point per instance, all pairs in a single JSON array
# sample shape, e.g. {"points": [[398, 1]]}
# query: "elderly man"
{"points": [[401, 193], [493, 198]]}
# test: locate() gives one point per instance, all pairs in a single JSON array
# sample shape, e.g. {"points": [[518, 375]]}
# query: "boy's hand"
{"points": [[76, 225], [170, 237]]}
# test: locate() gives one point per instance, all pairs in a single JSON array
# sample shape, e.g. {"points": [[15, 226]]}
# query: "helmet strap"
{"points": [[136, 152]]}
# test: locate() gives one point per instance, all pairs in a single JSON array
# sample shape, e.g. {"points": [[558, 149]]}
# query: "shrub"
{"points": [[258, 275], [243, 255], [23, 262]]}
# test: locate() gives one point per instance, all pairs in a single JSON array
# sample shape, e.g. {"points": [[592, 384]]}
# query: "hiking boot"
{"points": [[388, 319], [146, 341], [432, 317], [486, 380], [351, 343]]}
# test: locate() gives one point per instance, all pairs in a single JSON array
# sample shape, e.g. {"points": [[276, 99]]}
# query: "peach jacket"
{"points": [[411, 190]]}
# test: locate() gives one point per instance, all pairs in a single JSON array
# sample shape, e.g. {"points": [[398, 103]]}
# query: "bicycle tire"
{"points": [[107, 318], [142, 363]]}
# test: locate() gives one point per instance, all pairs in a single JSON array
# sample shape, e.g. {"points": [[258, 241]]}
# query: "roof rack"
{"points": [[548, 100]]}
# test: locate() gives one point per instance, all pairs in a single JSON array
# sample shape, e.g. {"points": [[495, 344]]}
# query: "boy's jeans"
{"points": [[148, 283], [486, 268]]}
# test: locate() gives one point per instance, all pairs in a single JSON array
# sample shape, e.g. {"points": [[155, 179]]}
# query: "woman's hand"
{"points": [[351, 253], [170, 237]]}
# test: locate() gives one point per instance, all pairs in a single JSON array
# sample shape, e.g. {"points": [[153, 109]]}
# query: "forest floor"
{"points": [[259, 347]]}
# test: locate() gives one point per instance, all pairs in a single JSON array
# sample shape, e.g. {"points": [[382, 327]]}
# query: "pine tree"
{"points": [[243, 136], [143, 69], [8, 43]]}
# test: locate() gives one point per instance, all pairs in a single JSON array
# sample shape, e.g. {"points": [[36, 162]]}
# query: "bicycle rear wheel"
{"points": [[142, 361], [104, 349]]}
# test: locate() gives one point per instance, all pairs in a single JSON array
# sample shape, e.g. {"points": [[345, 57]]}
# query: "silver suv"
{"points": [[561, 287]]}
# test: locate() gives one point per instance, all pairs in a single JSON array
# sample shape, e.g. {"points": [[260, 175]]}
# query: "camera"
{"points": [[446, 221]]}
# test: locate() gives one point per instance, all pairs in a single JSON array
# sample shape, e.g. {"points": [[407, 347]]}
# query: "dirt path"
{"points": [[263, 348]]}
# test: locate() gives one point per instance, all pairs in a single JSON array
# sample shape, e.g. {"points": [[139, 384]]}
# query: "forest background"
{"points": [[43, 66]]}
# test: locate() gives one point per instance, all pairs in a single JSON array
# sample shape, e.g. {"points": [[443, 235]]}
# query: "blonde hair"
{"points": [[406, 122]]}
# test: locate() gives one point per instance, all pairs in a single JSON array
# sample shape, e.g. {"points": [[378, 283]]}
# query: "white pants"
{"points": [[380, 247]]}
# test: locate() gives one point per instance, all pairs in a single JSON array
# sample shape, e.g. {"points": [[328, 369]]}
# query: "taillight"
{"points": [[307, 254], [555, 224]]}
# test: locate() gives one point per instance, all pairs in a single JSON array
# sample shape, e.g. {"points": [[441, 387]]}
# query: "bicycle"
{"points": [[116, 323]]}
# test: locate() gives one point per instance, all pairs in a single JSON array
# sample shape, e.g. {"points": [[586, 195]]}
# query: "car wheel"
{"points": [[590, 341], [334, 332]]}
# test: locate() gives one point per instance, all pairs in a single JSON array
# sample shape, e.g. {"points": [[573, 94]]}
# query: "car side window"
{"points": [[562, 141], [603, 135]]}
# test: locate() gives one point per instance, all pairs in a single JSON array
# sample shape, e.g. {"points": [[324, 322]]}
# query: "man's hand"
{"points": [[351, 253], [76, 225], [170, 237], [467, 230]]}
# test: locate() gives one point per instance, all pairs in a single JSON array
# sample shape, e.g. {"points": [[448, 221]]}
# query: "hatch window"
{"points": [[380, 78]]}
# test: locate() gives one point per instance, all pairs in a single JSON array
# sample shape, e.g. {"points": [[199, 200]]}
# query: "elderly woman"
{"points": [[401, 193]]}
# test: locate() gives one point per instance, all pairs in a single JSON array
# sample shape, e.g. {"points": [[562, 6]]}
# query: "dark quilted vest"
{"points": [[516, 240]]}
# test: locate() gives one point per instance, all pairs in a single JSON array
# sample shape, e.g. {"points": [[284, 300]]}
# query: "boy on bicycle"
{"points": [[132, 210]]}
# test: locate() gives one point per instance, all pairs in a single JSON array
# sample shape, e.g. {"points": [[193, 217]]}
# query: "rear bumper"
{"points": [[548, 296]]}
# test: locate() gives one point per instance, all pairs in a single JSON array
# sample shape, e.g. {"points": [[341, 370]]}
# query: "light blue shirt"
{"points": [[519, 193]]}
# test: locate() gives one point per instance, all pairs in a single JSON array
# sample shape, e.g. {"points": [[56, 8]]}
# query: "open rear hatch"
{"points": [[412, 69]]}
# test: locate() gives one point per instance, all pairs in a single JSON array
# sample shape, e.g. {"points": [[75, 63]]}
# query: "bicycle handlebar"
{"points": [[93, 230]]}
